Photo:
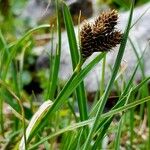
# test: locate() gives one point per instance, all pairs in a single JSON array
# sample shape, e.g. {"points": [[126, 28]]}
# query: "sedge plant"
{"points": [[92, 125]]}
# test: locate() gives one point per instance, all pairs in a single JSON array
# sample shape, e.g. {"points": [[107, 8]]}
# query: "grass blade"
{"points": [[70, 86], [55, 67], [14, 47], [89, 121], [38, 116], [114, 73], [80, 91]]}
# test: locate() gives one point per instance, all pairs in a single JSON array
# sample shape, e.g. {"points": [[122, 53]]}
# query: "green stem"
{"points": [[103, 77], [110, 84], [76, 71], [55, 66], [1, 116], [21, 107]]}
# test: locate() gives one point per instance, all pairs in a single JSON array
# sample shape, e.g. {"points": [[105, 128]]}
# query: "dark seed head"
{"points": [[108, 19], [86, 36], [101, 35]]}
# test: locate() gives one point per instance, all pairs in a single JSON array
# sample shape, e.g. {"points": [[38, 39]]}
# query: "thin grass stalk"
{"points": [[13, 47], [102, 84], [144, 90], [79, 139], [80, 90], [51, 66], [66, 140], [148, 113], [127, 86], [131, 126], [16, 87], [3, 54], [129, 106], [6, 60], [21, 62], [15, 78], [21, 107], [138, 57], [1, 117], [104, 127], [75, 143], [89, 121], [70, 86], [136, 88], [102, 131], [110, 84], [140, 17], [125, 93], [55, 70], [96, 98], [118, 136], [122, 4], [73, 112], [14, 111]]}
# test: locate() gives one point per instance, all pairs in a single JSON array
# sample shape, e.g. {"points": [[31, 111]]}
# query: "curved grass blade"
{"points": [[89, 121], [70, 86], [80, 90], [38, 116], [110, 84], [21, 107], [124, 97], [78, 125], [14, 47], [140, 17], [3, 53], [55, 66]]}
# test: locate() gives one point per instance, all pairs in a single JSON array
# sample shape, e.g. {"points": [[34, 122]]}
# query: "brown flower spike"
{"points": [[101, 35]]}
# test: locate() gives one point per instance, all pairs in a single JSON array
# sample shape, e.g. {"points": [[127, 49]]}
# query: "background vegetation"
{"points": [[54, 115]]}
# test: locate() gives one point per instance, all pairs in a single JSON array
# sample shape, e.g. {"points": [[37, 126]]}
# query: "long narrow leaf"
{"points": [[89, 121], [110, 84], [14, 47], [55, 67], [70, 86], [80, 91]]}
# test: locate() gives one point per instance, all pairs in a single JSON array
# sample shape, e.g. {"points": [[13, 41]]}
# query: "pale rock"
{"points": [[140, 34]]}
